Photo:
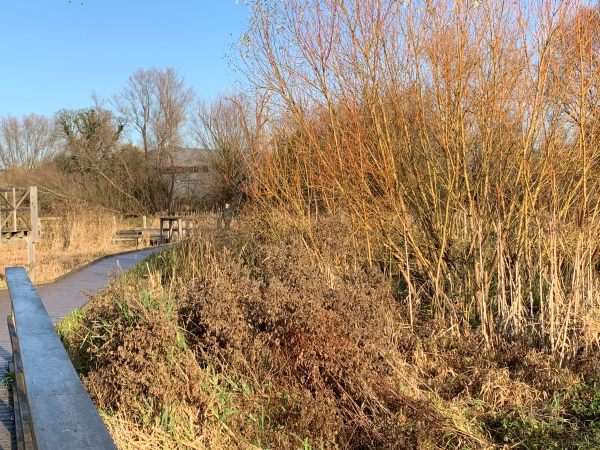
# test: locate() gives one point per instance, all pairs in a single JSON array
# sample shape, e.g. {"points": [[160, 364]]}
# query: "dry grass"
{"points": [[241, 339], [89, 235], [67, 243]]}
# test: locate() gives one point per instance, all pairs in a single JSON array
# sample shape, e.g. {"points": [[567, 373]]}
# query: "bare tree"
{"points": [[137, 103], [155, 103], [26, 142], [173, 99], [221, 126], [11, 145]]}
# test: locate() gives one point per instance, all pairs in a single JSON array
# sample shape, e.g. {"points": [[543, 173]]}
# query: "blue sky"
{"points": [[55, 53]]}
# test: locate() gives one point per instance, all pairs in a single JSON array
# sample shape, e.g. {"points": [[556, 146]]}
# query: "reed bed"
{"points": [[460, 139], [240, 339], [66, 243]]}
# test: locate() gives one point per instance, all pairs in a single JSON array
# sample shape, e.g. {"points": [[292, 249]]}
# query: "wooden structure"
{"points": [[140, 237], [52, 408], [176, 227], [18, 214], [19, 218], [172, 228], [144, 237]]}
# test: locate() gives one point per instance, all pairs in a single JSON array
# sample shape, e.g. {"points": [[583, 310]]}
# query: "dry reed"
{"points": [[67, 243], [461, 141]]}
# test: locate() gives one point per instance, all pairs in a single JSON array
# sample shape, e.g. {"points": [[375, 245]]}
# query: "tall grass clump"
{"points": [[461, 141], [68, 240], [241, 341]]}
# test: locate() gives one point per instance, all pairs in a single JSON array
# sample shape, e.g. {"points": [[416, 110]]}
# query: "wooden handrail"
{"points": [[52, 408]]}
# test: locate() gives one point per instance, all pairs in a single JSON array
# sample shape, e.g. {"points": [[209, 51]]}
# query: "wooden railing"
{"points": [[52, 408]]}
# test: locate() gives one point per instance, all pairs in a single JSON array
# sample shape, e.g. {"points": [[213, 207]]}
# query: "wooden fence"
{"points": [[52, 408]]}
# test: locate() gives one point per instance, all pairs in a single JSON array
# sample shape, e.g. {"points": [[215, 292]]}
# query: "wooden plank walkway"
{"points": [[59, 298]]}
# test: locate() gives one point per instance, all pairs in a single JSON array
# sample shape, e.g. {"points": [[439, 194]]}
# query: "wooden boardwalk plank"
{"points": [[61, 412], [60, 299]]}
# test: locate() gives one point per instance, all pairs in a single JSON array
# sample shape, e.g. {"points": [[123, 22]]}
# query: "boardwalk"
{"points": [[60, 298]]}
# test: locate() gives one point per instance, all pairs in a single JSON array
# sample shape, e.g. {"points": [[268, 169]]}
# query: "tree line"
{"points": [[119, 153]]}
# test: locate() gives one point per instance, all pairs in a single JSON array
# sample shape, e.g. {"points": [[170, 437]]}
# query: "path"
{"points": [[59, 298]]}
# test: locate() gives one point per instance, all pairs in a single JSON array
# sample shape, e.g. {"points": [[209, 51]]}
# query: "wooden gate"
{"points": [[19, 218]]}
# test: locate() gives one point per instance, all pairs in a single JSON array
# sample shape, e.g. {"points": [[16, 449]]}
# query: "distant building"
{"points": [[192, 171]]}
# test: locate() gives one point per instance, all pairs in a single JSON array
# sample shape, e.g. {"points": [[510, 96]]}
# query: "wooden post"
{"points": [[4, 208], [144, 223], [33, 203], [31, 255], [14, 205]]}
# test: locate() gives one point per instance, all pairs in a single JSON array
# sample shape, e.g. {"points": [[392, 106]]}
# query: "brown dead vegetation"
{"points": [[252, 343]]}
